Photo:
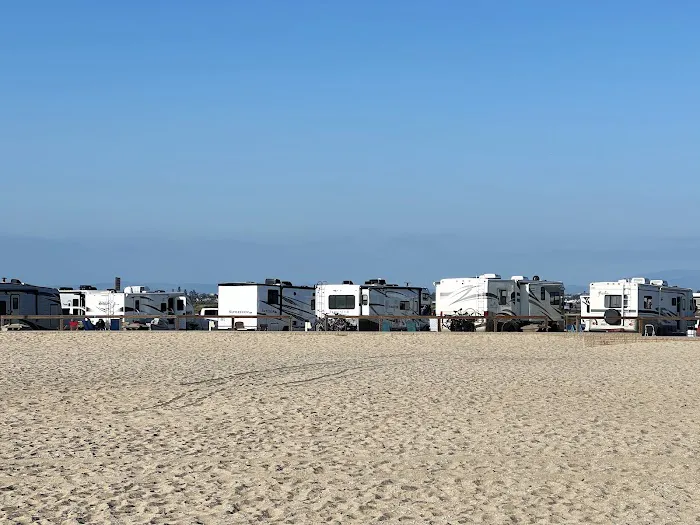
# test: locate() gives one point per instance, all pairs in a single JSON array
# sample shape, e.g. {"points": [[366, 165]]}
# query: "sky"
{"points": [[316, 141]]}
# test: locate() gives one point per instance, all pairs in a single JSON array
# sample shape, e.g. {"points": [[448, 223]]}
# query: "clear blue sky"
{"points": [[417, 140]]}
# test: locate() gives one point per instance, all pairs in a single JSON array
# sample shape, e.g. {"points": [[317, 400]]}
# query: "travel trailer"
{"points": [[620, 306], [273, 297], [373, 298], [88, 301], [18, 298], [489, 295]]}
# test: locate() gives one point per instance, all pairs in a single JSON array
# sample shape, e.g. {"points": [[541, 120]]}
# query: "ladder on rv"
{"points": [[318, 303]]}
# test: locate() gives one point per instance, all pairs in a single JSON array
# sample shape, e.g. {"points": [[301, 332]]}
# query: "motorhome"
{"points": [[636, 305], [87, 301], [294, 305], [373, 298], [489, 295], [18, 298]]}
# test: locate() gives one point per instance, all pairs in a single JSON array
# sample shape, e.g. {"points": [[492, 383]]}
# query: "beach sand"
{"points": [[354, 428]]}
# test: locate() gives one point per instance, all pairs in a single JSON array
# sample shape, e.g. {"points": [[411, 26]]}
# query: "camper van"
{"points": [[18, 298], [272, 297], [490, 295], [373, 298], [87, 301], [620, 306]]}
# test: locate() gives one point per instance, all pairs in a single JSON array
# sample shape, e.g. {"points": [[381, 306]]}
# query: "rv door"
{"points": [[4, 310], [14, 304]]}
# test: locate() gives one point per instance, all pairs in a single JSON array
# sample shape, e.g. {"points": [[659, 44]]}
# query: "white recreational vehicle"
{"points": [[619, 306], [373, 298], [90, 302], [18, 298], [273, 297], [489, 295]]}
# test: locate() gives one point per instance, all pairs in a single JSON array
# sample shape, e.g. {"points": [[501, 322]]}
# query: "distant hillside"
{"points": [[198, 287]]}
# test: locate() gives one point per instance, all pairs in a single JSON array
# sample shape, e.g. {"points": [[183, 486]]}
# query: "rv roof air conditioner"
{"points": [[489, 276], [376, 281], [271, 282], [518, 278], [658, 282], [640, 280], [348, 282]]}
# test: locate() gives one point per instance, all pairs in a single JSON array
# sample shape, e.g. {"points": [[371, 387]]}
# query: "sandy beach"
{"points": [[354, 428]]}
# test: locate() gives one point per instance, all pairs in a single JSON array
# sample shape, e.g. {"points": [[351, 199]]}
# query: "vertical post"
{"points": [[290, 323], [60, 323], [325, 323], [177, 322]]}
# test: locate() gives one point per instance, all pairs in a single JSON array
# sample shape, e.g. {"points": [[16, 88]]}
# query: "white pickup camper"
{"points": [[489, 295], [271, 298], [18, 298], [88, 301], [373, 298], [620, 306]]}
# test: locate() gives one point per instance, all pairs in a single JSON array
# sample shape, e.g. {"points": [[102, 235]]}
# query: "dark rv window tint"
{"points": [[273, 296], [75, 302], [163, 307], [647, 302], [313, 304], [15, 303], [554, 298], [502, 296], [137, 305], [543, 293], [64, 311], [171, 302], [3, 308], [613, 301], [180, 305], [365, 299], [673, 301], [405, 305], [341, 302], [512, 297]]}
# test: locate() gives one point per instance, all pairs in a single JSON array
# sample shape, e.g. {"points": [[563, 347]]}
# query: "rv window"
{"points": [[15, 303], [613, 301], [554, 298], [273, 296], [502, 296], [3, 308], [648, 302], [683, 303], [673, 301], [405, 305], [341, 302], [171, 302], [626, 301], [137, 305], [313, 304], [180, 305], [588, 308], [163, 307], [75, 302], [365, 300], [512, 297], [543, 294], [64, 311]]}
